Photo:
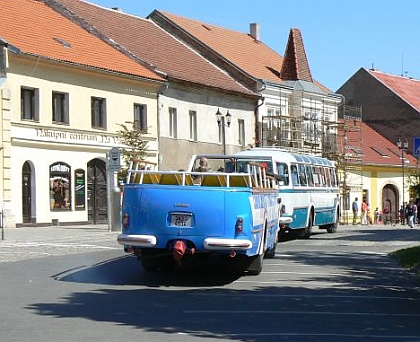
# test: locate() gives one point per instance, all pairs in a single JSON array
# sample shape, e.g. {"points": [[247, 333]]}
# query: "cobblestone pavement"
{"points": [[35, 242]]}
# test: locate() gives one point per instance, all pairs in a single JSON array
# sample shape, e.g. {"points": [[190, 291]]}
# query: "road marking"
{"points": [[241, 312], [291, 334], [46, 244]]}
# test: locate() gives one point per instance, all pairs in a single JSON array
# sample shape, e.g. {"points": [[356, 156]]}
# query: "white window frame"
{"points": [[173, 131], [193, 125]]}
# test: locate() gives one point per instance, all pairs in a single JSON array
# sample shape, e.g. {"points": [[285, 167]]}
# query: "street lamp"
{"points": [[403, 146], [223, 122]]}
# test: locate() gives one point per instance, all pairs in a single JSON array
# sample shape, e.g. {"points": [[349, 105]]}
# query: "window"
{"points": [[98, 107], [283, 171], [140, 117], [241, 125], [221, 129], [60, 107], [60, 186], [29, 104], [172, 123], [302, 175], [295, 177], [312, 176], [193, 125]]}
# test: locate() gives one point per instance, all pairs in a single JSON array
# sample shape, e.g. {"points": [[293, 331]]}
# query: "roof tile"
{"points": [[295, 65], [153, 45], [375, 148], [36, 29], [407, 88]]}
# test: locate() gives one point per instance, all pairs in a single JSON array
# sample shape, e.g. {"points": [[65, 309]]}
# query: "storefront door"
{"points": [[26, 193], [97, 196]]}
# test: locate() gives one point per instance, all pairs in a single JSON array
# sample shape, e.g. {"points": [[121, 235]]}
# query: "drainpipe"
{"points": [[159, 106]]}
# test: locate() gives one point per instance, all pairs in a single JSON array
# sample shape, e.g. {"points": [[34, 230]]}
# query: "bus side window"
{"points": [[333, 177], [283, 171], [323, 179], [295, 178], [309, 175], [327, 176], [316, 176], [302, 175]]}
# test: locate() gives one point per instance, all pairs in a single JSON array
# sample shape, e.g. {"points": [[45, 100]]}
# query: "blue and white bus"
{"points": [[309, 189]]}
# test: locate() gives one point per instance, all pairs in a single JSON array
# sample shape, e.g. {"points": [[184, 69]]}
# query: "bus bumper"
{"points": [[285, 220], [214, 244], [137, 240]]}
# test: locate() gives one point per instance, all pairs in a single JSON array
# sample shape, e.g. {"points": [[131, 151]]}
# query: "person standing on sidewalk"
{"points": [[365, 208], [410, 214], [355, 208]]}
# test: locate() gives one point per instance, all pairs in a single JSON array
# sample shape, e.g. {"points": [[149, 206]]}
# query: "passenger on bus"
{"points": [[204, 165]]}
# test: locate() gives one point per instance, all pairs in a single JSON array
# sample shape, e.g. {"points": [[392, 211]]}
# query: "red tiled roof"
{"points": [[241, 49], [406, 88], [375, 149], [252, 56], [295, 64], [153, 45], [36, 29]]}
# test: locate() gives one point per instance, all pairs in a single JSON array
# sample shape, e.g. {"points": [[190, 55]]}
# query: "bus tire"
{"points": [[256, 264], [271, 252], [307, 231], [332, 228]]}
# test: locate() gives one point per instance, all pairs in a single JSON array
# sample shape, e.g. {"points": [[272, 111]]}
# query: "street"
{"points": [[332, 287]]}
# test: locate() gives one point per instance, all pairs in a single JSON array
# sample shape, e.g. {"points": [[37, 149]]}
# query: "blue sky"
{"points": [[340, 37]]}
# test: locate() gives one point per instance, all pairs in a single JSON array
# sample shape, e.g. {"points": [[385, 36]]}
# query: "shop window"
{"points": [[60, 196]]}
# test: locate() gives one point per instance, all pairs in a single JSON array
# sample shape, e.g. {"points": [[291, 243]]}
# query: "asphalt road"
{"points": [[81, 286]]}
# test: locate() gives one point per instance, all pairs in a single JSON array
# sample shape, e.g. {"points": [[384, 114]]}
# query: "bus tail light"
{"points": [[239, 226], [125, 220]]}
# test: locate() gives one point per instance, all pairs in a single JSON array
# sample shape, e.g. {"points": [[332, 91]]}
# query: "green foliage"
{"points": [[408, 257], [413, 181], [132, 138]]}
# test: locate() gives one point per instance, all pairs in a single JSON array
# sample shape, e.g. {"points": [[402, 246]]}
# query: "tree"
{"points": [[135, 147], [413, 181]]}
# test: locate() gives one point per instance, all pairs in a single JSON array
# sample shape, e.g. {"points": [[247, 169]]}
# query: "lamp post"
{"points": [[403, 146], [223, 121]]}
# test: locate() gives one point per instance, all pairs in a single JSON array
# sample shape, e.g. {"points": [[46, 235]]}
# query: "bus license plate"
{"points": [[181, 220]]}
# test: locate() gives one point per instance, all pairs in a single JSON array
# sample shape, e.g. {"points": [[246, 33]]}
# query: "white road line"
{"points": [[303, 296], [292, 334], [253, 312]]}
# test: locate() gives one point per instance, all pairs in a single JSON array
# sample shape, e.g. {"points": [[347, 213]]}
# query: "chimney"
{"points": [[254, 31]]}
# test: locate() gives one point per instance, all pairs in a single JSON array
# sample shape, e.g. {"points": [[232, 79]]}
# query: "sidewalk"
{"points": [[34, 242], [56, 234]]}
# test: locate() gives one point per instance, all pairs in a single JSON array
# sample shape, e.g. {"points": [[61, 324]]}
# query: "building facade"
{"points": [[61, 109]]}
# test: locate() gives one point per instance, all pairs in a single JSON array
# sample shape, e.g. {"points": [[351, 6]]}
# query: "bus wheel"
{"points": [[256, 261], [271, 252], [306, 234], [256, 264], [332, 228]]}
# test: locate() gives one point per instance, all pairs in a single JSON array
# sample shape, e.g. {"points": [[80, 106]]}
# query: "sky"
{"points": [[340, 37]]}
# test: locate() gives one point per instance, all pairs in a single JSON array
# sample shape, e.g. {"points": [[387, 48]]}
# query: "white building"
{"points": [[63, 94]]}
